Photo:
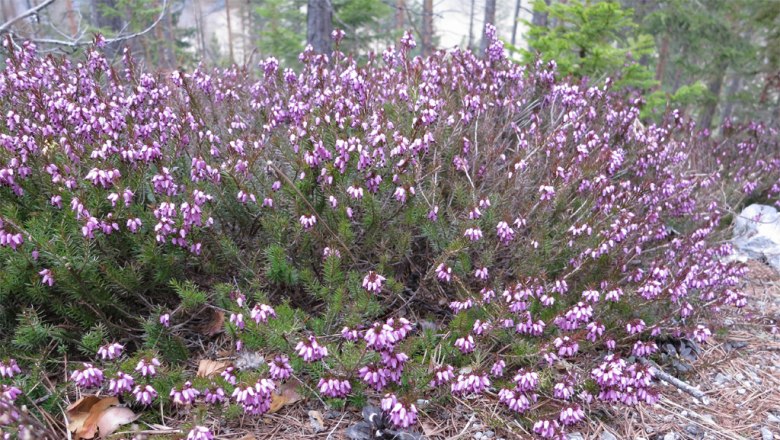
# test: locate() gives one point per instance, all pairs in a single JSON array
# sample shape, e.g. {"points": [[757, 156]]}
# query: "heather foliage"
{"points": [[333, 211]]}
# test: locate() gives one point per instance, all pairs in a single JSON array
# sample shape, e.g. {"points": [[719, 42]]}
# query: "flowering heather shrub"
{"points": [[331, 209]]}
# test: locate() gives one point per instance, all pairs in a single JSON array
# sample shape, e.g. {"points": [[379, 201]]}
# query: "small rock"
{"points": [[478, 435], [721, 378], [606, 435], [694, 430], [741, 391], [708, 418], [670, 436], [574, 436], [771, 418], [316, 422], [489, 434], [766, 434]]}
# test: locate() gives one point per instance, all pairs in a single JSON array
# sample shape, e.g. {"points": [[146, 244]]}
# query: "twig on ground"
{"points": [[679, 384]]}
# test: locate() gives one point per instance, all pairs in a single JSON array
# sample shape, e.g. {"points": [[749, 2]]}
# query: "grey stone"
{"points": [[766, 434], [606, 435], [757, 234], [771, 418], [694, 430], [670, 436], [575, 436], [489, 434]]}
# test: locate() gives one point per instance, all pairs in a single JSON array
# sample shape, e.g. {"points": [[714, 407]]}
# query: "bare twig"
{"points": [[679, 384], [32, 11]]}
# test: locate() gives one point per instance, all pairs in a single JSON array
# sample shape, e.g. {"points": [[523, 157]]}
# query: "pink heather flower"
{"points": [[475, 214], [394, 362], [238, 320], [401, 327], [470, 384], [9, 368], [566, 346], [400, 194], [147, 367], [473, 234], [379, 337], [355, 192], [165, 320], [459, 306], [481, 273], [442, 375], [591, 296], [127, 196], [610, 344], [571, 414], [144, 396], [465, 345], [308, 222], [644, 349], [56, 201], [349, 334], [505, 233], [701, 333], [47, 277], [213, 395], [228, 375], [497, 370], [479, 328], [261, 313], [563, 390], [330, 252], [87, 377], [595, 331], [433, 215], [120, 384], [526, 380], [110, 351], [200, 433], [614, 295], [184, 396], [401, 414], [280, 368], [546, 192], [372, 282], [635, 326], [487, 295], [9, 393], [310, 350], [334, 388], [134, 224], [374, 376], [515, 400], [444, 273], [547, 428], [255, 400]]}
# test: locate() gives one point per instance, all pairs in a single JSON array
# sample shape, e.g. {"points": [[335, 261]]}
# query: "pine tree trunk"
{"points": [[734, 84], [663, 58], [514, 23], [427, 28], [539, 18], [319, 25], [471, 26], [400, 12], [229, 32], [714, 87], [490, 18]]}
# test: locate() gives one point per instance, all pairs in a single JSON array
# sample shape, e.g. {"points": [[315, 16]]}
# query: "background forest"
{"points": [[714, 59]]}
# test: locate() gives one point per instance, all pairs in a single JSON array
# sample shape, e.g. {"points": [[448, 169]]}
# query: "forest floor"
{"points": [[738, 370]]}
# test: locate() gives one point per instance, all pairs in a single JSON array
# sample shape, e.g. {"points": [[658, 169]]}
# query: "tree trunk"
{"points": [[715, 85], [514, 23], [663, 57], [400, 12], [490, 18], [319, 25], [734, 84], [229, 32], [539, 18], [427, 28], [471, 26]]}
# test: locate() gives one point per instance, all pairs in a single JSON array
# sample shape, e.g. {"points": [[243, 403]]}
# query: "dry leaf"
{"points": [[78, 412], [214, 324], [286, 394], [83, 416], [113, 418], [208, 368]]}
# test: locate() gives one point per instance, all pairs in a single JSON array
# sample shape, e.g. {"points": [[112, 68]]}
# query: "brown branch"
{"points": [[25, 14]]}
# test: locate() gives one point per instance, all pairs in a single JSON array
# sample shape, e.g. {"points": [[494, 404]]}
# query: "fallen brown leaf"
{"points": [[112, 418], [285, 395], [85, 413], [214, 324], [208, 368], [316, 421]]}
